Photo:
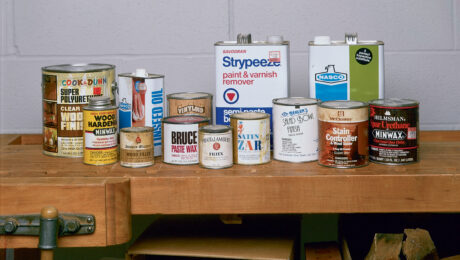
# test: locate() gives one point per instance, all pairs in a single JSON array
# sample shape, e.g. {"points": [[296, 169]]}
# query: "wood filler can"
{"points": [[216, 146], [343, 139], [136, 147], [190, 103], [100, 137], [393, 131], [251, 138], [180, 139], [295, 129], [66, 90]]}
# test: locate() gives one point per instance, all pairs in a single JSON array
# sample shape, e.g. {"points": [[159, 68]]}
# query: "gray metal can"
{"points": [[216, 146]]}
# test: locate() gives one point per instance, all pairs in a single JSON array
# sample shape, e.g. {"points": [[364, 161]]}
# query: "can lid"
{"points": [[275, 39], [322, 40], [99, 101], [215, 128], [189, 95], [192, 119], [394, 102], [79, 67], [250, 115], [343, 104], [295, 101], [137, 129]]}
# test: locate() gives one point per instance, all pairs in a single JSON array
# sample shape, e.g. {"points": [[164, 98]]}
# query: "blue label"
{"points": [[331, 92], [124, 118]]}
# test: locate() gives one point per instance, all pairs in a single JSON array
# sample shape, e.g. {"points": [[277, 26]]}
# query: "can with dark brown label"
{"points": [[190, 103], [343, 140], [393, 131]]}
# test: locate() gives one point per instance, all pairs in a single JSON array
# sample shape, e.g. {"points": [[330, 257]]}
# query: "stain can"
{"points": [[251, 138], [136, 147], [180, 138], [100, 137], [216, 146], [141, 102], [343, 138], [393, 131], [295, 129], [66, 89], [190, 103]]}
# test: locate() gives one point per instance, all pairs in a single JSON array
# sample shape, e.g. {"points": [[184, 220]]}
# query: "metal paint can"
{"points": [[100, 136], [343, 134], [394, 131], [141, 102], [66, 90], [295, 129], [180, 139], [190, 103], [136, 146], [251, 138], [216, 146]]}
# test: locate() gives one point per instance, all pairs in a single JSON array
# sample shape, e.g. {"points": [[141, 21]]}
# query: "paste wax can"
{"points": [[216, 147], [251, 138], [136, 147], [100, 132], [343, 138], [393, 131], [190, 103], [295, 129], [180, 139]]}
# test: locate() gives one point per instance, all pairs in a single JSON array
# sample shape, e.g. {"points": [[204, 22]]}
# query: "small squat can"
{"points": [[216, 147], [190, 103], [295, 129], [136, 147], [343, 139], [393, 131], [180, 139], [100, 141], [251, 138]]}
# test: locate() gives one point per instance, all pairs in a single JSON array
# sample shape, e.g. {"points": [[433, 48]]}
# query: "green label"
{"points": [[364, 72]]}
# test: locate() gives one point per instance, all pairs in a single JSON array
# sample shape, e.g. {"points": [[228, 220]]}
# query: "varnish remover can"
{"points": [[180, 139], [346, 70], [251, 138], [136, 146], [393, 131], [100, 132], [66, 90], [295, 129], [343, 140], [216, 147], [141, 102], [190, 103]]}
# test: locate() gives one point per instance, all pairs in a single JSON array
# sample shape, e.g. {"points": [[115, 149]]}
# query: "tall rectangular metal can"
{"points": [[141, 103], [346, 70], [249, 75]]}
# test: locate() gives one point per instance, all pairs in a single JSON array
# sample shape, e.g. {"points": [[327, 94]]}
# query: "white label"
{"points": [[253, 143], [216, 150], [93, 141], [295, 133], [180, 143]]}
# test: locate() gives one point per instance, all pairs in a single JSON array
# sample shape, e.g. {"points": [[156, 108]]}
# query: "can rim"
{"points": [[203, 95], [212, 129], [259, 115], [58, 68], [357, 104], [307, 101], [137, 129], [394, 102], [202, 120], [343, 43], [150, 76]]}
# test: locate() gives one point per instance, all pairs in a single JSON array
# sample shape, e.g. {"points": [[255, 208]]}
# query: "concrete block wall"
{"points": [[176, 37]]}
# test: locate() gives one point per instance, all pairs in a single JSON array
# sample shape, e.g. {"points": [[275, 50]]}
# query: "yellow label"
{"points": [[100, 137]]}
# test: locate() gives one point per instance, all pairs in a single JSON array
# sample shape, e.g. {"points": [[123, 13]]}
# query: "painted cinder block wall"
{"points": [[175, 38]]}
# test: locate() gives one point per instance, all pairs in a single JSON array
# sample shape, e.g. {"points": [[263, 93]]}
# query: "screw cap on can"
{"points": [[99, 101], [322, 40], [275, 39], [141, 73]]}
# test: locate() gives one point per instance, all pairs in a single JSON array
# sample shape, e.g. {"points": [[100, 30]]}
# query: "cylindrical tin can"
{"points": [[343, 140], [393, 131], [141, 102], [295, 129], [190, 103], [251, 138], [100, 132], [216, 147], [66, 90], [136, 146], [180, 139]]}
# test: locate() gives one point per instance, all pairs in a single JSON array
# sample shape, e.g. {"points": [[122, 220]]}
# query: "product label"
{"points": [[202, 107], [100, 137], [393, 134], [181, 143], [216, 150], [252, 144], [136, 149], [295, 133]]}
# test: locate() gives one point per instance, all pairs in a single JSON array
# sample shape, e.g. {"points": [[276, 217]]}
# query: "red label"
{"points": [[274, 56], [97, 91]]}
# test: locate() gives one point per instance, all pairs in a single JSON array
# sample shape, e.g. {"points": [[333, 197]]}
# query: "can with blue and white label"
{"points": [[141, 103]]}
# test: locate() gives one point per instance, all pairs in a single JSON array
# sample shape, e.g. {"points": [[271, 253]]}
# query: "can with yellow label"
{"points": [[100, 144]]}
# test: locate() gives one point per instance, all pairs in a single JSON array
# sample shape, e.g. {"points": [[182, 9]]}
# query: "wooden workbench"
{"points": [[30, 180]]}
